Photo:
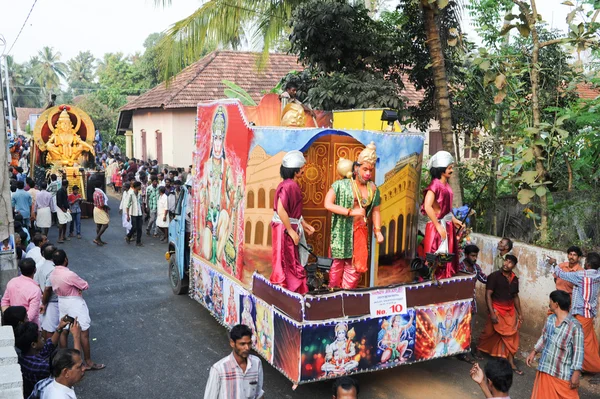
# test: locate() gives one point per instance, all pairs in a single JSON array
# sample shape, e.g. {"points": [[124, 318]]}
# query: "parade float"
{"points": [[393, 318], [63, 139]]}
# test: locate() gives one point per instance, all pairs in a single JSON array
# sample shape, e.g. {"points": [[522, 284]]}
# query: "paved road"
{"points": [[157, 345]]}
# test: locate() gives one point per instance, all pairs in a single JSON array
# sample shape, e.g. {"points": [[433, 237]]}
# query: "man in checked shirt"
{"points": [[239, 375], [586, 287], [561, 346]]}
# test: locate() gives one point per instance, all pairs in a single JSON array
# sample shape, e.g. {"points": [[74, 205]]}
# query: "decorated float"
{"points": [[392, 318], [63, 145]]}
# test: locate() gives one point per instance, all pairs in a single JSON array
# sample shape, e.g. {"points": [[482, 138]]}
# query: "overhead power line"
{"points": [[23, 26]]}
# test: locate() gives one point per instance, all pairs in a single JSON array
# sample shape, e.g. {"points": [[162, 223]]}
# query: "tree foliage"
{"points": [[352, 60]]}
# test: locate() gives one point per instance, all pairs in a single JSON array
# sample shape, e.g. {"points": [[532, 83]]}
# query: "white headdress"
{"points": [[293, 159], [441, 159]]}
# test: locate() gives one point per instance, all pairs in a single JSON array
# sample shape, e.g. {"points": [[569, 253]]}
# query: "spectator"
{"points": [[586, 287], [35, 252], [53, 189], [35, 352], [124, 201], [133, 211], [162, 218], [14, 316], [240, 372], [49, 314], [101, 217], [24, 291], [469, 265], [561, 346], [22, 202], [345, 388], [152, 206], [574, 254], [500, 337], [33, 192], [69, 287], [496, 381], [75, 208], [117, 179], [62, 212], [44, 207], [67, 370], [505, 247]]}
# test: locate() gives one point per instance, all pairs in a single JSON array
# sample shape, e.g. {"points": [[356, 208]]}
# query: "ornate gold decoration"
{"points": [[62, 141], [368, 155], [293, 115], [314, 182]]}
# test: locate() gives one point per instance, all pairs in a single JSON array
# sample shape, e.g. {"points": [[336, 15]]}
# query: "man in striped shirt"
{"points": [[586, 286], [561, 346], [239, 375]]}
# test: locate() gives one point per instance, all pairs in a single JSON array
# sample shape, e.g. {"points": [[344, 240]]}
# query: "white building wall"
{"points": [[177, 127]]}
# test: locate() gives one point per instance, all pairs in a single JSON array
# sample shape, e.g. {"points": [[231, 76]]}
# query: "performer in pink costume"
{"points": [[437, 205], [288, 227]]}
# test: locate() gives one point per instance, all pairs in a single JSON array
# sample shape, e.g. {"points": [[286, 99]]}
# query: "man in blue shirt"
{"points": [[21, 202]]}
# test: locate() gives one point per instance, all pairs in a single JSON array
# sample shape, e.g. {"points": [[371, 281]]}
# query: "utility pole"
{"points": [[8, 261], [10, 106]]}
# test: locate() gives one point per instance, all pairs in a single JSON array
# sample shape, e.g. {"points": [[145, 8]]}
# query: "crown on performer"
{"points": [[341, 327], [368, 155]]}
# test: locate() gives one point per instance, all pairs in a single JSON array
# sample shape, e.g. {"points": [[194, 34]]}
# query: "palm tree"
{"points": [[220, 23], [431, 11], [81, 68], [49, 70], [20, 81]]}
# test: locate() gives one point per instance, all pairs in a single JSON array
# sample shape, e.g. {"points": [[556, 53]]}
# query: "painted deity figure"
{"points": [[352, 201], [445, 333], [395, 339], [440, 235], [265, 334], [217, 190], [339, 355], [199, 283], [231, 317], [65, 145], [217, 295], [288, 228], [247, 317]]}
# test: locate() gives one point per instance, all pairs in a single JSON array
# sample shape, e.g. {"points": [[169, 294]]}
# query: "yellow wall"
{"points": [[360, 119], [398, 197]]}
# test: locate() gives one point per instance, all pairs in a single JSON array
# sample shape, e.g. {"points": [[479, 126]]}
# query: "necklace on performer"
{"points": [[364, 201]]}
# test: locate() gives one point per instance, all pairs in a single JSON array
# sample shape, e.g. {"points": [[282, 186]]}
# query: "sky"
{"points": [[103, 26]]}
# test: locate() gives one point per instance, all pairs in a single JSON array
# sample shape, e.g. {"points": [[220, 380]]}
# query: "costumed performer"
{"points": [[437, 205], [352, 200], [288, 227]]}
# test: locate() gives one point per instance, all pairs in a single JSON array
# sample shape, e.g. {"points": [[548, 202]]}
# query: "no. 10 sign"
{"points": [[387, 302]]}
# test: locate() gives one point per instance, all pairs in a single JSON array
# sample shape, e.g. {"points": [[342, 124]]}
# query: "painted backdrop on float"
{"points": [[397, 176], [220, 158]]}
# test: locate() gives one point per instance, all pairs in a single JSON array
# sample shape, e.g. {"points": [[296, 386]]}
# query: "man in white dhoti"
{"points": [[44, 207], [69, 287], [49, 313], [62, 212]]}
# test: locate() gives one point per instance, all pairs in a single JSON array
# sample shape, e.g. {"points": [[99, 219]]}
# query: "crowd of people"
{"points": [[567, 346], [44, 305]]}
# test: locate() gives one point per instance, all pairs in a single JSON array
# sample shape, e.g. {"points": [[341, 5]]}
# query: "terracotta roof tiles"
{"points": [[202, 81]]}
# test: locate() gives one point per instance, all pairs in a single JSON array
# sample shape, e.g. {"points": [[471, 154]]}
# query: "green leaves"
{"points": [[529, 177], [525, 195], [235, 91]]}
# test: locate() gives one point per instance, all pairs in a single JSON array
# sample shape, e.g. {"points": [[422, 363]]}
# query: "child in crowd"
{"points": [[75, 206], [496, 381]]}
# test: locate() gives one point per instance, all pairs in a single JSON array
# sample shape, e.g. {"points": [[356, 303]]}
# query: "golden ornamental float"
{"points": [[65, 135], [63, 144]]}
